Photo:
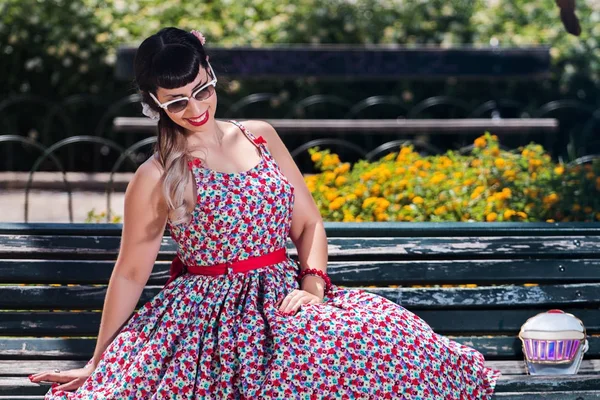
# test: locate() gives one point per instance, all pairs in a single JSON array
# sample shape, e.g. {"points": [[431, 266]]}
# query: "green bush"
{"points": [[52, 48], [488, 185], [61, 47]]}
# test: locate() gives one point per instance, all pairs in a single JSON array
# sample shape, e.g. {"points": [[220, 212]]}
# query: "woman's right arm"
{"points": [[144, 221]]}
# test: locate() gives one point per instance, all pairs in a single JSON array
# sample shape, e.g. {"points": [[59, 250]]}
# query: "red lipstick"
{"points": [[198, 122]]}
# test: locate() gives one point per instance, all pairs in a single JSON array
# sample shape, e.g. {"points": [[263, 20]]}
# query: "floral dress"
{"points": [[222, 337]]}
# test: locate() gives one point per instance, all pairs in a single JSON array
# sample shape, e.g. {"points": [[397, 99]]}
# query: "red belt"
{"points": [[230, 267]]}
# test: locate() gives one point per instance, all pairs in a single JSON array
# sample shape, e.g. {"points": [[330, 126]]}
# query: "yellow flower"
{"points": [[348, 217], [480, 142], [491, 217], [340, 180], [509, 213], [315, 157], [550, 199], [476, 163], [382, 206], [329, 177], [438, 177], [576, 207], [440, 210], [559, 170], [588, 210], [368, 201], [337, 203], [521, 214], [477, 192], [382, 217], [500, 163], [506, 193], [330, 160], [418, 200], [550, 220], [342, 169], [360, 189], [331, 195]]}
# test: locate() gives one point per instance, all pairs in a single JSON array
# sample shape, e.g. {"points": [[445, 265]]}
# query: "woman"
{"points": [[239, 319]]}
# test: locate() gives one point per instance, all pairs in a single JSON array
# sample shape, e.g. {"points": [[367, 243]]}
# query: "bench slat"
{"points": [[493, 348], [348, 273], [454, 322], [350, 229], [567, 395], [101, 247], [27, 367], [16, 368], [517, 367], [92, 297], [548, 383], [20, 385]]}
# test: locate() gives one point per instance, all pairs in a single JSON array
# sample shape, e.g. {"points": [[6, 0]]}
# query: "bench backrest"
{"points": [[367, 62]]}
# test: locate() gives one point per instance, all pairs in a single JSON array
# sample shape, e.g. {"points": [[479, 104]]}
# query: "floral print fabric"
{"points": [[207, 337]]}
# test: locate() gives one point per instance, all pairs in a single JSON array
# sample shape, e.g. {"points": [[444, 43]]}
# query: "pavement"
{"points": [[48, 199]]}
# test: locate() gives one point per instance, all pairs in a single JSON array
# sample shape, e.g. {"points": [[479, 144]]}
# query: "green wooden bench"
{"points": [[476, 283]]}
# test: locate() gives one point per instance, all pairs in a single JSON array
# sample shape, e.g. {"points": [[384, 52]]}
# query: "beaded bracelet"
{"points": [[318, 272]]}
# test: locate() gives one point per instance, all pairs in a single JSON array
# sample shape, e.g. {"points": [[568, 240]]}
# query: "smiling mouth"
{"points": [[199, 120]]}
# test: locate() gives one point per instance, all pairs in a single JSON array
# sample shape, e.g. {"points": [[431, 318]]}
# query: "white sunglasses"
{"points": [[200, 94]]}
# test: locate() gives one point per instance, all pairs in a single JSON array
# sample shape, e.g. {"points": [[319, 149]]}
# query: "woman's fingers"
{"points": [[72, 385], [298, 299], [292, 302], [285, 304], [49, 377]]}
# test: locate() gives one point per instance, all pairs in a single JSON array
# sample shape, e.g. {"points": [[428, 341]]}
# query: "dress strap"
{"points": [[256, 140]]}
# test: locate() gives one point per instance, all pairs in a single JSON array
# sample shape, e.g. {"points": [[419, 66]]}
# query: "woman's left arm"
{"points": [[307, 231]]}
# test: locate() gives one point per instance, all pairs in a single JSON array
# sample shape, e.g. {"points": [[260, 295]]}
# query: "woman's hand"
{"points": [[292, 302], [66, 380]]}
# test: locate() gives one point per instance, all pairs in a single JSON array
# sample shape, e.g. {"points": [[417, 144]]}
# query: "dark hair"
{"points": [[171, 58]]}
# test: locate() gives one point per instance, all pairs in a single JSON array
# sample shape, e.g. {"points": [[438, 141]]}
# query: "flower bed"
{"points": [[490, 184]]}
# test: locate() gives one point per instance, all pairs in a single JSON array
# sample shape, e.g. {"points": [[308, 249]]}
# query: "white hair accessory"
{"points": [[149, 112]]}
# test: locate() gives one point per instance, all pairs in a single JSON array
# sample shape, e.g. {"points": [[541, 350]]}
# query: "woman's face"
{"points": [[200, 110]]}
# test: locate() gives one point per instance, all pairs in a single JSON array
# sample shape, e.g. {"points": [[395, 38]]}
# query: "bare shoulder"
{"points": [[262, 128], [150, 169]]}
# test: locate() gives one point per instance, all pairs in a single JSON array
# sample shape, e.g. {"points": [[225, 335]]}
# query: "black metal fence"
{"points": [[49, 124]]}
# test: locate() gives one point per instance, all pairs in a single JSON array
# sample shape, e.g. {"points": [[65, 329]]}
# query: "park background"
{"points": [[60, 83]]}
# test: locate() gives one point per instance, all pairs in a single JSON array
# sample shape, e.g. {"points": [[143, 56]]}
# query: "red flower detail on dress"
{"points": [[260, 140]]}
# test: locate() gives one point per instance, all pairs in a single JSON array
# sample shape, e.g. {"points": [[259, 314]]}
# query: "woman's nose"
{"points": [[195, 107]]}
